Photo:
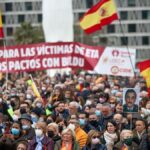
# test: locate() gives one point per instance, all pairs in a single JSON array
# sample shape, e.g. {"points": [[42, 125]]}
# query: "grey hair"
{"points": [[53, 125], [74, 104], [123, 132]]}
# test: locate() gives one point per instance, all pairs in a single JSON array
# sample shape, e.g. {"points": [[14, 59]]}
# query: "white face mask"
{"points": [[38, 132], [95, 141], [71, 126]]}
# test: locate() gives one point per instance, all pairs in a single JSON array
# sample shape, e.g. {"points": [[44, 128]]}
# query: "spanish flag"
{"points": [[144, 67], [1, 27], [101, 14]]}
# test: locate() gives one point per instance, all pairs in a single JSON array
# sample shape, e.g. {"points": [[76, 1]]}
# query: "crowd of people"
{"points": [[75, 111]]}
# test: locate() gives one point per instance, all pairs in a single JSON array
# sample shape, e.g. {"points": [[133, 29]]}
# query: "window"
{"points": [[21, 18], [40, 18], [111, 29], [131, 28], [124, 15], [3, 19], [81, 15], [124, 41], [9, 31], [8, 7], [145, 14], [89, 3], [145, 40], [28, 5], [131, 3]]}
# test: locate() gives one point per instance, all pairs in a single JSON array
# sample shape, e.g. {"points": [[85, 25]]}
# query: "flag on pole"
{"points": [[34, 88], [144, 67], [101, 14], [1, 27]]}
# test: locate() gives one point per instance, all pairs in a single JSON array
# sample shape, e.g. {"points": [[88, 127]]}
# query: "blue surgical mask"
{"points": [[82, 122], [34, 119], [25, 127], [98, 113], [114, 92], [15, 131]]}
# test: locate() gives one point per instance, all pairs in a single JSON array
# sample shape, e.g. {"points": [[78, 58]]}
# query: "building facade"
{"points": [[132, 31]]}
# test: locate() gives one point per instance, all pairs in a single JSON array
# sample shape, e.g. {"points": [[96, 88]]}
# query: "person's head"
{"points": [[74, 122], [82, 119], [111, 126], [140, 125], [126, 137], [24, 108], [130, 97], [118, 118], [106, 110], [112, 101], [61, 107], [93, 137], [40, 129], [119, 108], [16, 129], [52, 130], [68, 135], [26, 121], [68, 93], [93, 117], [22, 145], [73, 107]]}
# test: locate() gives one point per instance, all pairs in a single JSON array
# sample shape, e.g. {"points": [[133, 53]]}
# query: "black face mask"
{"points": [[23, 111], [12, 104], [94, 122], [49, 121], [50, 134], [60, 128]]}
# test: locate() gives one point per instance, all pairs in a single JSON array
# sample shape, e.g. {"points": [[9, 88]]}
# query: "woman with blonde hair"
{"points": [[93, 141], [68, 141]]}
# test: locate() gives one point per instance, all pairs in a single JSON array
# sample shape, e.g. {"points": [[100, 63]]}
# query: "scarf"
{"points": [[110, 138], [39, 143]]}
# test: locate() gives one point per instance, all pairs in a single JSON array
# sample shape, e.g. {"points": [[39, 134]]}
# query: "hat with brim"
{"points": [[25, 116]]}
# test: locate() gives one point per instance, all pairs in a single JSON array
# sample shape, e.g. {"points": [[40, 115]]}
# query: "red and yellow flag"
{"points": [[144, 67], [101, 14], [1, 27]]}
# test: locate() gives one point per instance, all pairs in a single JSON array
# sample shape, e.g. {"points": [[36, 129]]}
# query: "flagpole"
{"points": [[123, 33], [4, 46]]}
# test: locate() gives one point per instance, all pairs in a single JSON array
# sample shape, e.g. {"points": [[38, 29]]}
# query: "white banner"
{"points": [[117, 61], [58, 20]]}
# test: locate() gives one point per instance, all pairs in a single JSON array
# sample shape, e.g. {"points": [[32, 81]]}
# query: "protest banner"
{"points": [[113, 61]]}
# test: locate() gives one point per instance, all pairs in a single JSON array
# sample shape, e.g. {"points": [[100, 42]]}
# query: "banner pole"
{"points": [[121, 27]]}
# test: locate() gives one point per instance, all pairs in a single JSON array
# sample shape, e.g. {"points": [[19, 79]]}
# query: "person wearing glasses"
{"points": [[93, 141]]}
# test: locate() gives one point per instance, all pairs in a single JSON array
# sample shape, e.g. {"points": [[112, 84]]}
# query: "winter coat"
{"points": [[47, 144], [97, 147], [119, 145], [59, 144], [81, 136]]}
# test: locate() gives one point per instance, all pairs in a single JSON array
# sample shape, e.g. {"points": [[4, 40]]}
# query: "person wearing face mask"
{"points": [[28, 131], [53, 132], [126, 141], [9, 141], [40, 141], [80, 134], [93, 123], [93, 141]]}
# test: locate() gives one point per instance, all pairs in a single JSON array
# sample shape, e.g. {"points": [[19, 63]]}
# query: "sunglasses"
{"points": [[94, 137]]}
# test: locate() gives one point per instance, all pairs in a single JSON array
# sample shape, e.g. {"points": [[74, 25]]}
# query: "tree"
{"points": [[27, 34]]}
